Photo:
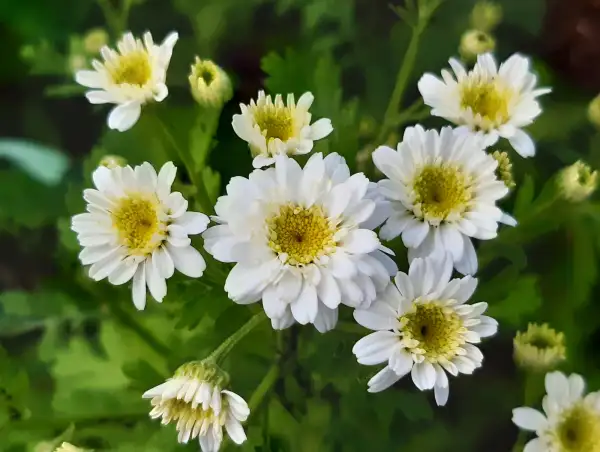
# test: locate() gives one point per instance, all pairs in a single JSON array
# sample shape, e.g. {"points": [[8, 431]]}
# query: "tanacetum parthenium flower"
{"points": [[570, 421], [540, 348], [423, 326], [497, 102], [136, 228], [301, 239], [272, 127], [129, 77], [443, 190]]}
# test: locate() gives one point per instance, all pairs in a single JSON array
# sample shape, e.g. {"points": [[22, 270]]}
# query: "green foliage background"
{"points": [[75, 356]]}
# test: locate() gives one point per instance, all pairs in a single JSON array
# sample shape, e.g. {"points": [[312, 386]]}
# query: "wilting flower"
{"points": [[578, 181], [210, 85], [475, 42], [274, 128], [494, 102], [129, 77], [539, 348], [570, 422], [136, 228], [443, 192], [195, 401], [301, 240], [423, 326]]}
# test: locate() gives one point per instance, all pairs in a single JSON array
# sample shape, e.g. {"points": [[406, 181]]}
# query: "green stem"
{"points": [[111, 17], [264, 387], [530, 393], [227, 345]]}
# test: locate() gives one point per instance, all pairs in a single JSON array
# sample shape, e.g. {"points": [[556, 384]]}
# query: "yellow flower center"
{"points": [[442, 193], [275, 122], [136, 220], [132, 68], [579, 430], [433, 331], [302, 234], [489, 99]]}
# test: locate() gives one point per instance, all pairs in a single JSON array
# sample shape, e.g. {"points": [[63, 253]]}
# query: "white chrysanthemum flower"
{"points": [[273, 128], [136, 228], [129, 77], [299, 240], [195, 401], [423, 326], [495, 102], [443, 192], [570, 422]]}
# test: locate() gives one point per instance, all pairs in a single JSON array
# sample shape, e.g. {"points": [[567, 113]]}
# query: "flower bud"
{"points": [[485, 16], [209, 83], [94, 40], [504, 169], [577, 181], [112, 161], [540, 348], [475, 42]]}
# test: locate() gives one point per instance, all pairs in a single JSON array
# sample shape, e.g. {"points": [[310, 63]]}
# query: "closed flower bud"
{"points": [[209, 83], [94, 40], [577, 181], [504, 169], [540, 348], [486, 16], [112, 161], [475, 42]]}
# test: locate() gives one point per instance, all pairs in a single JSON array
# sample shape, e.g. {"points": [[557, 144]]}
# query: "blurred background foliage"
{"points": [[75, 357]]}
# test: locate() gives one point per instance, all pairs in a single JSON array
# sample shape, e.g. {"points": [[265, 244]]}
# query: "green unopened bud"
{"points": [[94, 40], [67, 447], [594, 111], [486, 16], [504, 169], [112, 161], [209, 83], [540, 348], [475, 42], [577, 181]]}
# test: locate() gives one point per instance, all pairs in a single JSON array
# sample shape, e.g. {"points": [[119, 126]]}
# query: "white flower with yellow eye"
{"points": [[129, 77], [497, 102], [571, 420], [273, 128], [136, 228]]}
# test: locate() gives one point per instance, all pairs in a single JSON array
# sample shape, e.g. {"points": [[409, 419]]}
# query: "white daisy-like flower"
{"points": [[273, 128], [443, 189], [571, 420], [199, 407], [497, 102], [423, 326], [299, 241], [136, 228], [129, 77]]}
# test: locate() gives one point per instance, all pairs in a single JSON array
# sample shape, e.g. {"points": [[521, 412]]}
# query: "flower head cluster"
{"points": [[570, 421], [539, 348], [195, 401], [424, 326], [272, 127], [129, 77], [301, 239], [136, 228]]}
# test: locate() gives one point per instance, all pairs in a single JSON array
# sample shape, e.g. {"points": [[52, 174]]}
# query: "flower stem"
{"points": [[264, 386], [530, 389], [227, 345]]}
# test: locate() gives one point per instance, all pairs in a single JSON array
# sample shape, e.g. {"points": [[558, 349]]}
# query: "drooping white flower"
{"points": [[571, 420], [498, 102], [273, 128], [129, 77], [443, 191], [136, 228], [424, 327], [196, 402], [299, 241]]}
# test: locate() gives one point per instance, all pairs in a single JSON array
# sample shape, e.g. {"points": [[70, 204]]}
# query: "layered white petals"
{"points": [[495, 102], [346, 264], [402, 308], [137, 230], [129, 77]]}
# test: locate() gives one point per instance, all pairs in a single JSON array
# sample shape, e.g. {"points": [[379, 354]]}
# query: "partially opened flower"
{"points": [[498, 102], [195, 401], [210, 85], [129, 77], [301, 240], [443, 190], [570, 421], [540, 348], [272, 127], [136, 228], [424, 326]]}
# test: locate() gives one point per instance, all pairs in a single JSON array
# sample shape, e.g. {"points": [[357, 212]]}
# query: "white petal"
{"points": [[156, 283], [423, 375], [320, 129], [535, 445], [235, 431], [375, 348], [576, 387], [557, 387], [187, 260], [523, 144], [139, 287], [273, 305], [89, 79], [100, 97], [529, 419], [124, 272], [328, 290], [401, 361], [414, 234], [193, 222], [326, 319], [379, 317], [305, 307], [361, 241], [166, 176], [124, 116], [441, 394], [163, 262], [382, 380]]}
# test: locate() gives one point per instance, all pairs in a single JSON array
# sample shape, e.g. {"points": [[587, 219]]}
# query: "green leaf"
{"points": [[522, 301], [42, 163], [524, 197], [583, 263]]}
